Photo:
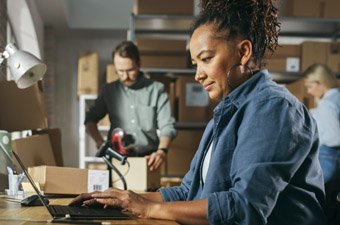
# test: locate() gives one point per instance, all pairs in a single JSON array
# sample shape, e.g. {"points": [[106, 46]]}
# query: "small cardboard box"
{"points": [[301, 8], [193, 101], [313, 52], [332, 9], [54, 135], [21, 109], [66, 180], [34, 150], [172, 7], [139, 177], [285, 58], [88, 73], [333, 56], [111, 73], [182, 151], [161, 45], [163, 60]]}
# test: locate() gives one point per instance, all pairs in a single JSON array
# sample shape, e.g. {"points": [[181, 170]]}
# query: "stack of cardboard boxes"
{"points": [[310, 8]]}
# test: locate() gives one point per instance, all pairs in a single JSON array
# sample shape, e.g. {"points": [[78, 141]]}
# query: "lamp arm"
{"points": [[4, 150]]}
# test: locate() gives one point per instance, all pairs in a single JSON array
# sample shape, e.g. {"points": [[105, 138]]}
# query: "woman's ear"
{"points": [[245, 49]]}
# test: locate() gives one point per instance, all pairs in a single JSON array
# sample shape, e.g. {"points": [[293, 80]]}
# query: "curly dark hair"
{"points": [[127, 49], [255, 20]]}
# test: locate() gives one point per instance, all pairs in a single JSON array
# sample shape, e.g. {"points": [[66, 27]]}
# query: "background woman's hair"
{"points": [[255, 20], [322, 74], [127, 49]]}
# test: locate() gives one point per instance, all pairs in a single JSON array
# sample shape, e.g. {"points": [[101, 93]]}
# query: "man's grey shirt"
{"points": [[142, 110]]}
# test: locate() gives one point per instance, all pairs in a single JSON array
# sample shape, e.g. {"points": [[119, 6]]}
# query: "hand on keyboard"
{"points": [[85, 200]]}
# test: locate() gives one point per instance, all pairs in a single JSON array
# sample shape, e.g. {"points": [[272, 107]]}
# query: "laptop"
{"points": [[72, 212]]}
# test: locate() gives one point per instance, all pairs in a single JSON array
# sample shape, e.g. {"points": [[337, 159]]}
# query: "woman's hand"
{"points": [[155, 159], [126, 200], [85, 199]]}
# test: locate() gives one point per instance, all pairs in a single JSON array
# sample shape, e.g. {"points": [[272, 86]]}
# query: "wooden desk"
{"points": [[12, 213]]}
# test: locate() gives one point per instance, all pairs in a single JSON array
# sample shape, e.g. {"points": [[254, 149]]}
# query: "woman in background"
{"points": [[321, 83]]}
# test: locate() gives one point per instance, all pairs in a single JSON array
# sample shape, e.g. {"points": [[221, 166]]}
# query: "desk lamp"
{"points": [[25, 68]]}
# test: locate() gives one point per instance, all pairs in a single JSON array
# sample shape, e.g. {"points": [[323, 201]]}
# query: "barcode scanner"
{"points": [[106, 150]]}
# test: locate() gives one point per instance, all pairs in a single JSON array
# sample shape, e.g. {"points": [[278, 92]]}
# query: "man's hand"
{"points": [[155, 159]]}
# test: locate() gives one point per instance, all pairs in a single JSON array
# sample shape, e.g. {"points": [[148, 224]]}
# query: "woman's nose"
{"points": [[199, 74]]}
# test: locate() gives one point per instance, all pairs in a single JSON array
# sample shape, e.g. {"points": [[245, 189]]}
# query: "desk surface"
{"points": [[11, 213]]}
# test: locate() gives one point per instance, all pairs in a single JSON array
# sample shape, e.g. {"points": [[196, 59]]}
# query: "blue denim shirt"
{"points": [[264, 167]]}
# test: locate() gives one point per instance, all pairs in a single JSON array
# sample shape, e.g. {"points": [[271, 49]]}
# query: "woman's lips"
{"points": [[208, 86]]}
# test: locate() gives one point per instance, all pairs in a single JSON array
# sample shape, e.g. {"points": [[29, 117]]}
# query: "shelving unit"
{"points": [[87, 147], [176, 27]]}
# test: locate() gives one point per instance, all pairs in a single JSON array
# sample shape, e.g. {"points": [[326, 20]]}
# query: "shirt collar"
{"points": [[239, 94]]}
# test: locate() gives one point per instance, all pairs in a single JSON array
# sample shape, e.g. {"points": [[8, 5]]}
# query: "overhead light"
{"points": [[25, 68]]}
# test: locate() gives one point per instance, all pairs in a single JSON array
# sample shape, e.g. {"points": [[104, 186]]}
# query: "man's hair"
{"points": [[255, 20], [322, 74], [127, 49]]}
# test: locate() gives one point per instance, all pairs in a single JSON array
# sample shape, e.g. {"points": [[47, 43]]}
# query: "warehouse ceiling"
{"points": [[71, 15]]}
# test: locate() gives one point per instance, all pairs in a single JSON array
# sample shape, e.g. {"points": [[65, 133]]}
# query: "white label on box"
{"points": [[195, 95], [97, 180], [293, 64]]}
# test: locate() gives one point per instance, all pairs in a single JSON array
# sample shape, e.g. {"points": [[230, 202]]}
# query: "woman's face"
{"points": [[213, 58], [315, 88]]}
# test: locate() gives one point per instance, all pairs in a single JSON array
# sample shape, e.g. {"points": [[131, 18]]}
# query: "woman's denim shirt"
{"points": [[264, 167]]}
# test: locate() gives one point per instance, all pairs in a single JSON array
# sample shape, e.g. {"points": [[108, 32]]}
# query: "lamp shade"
{"points": [[25, 68]]}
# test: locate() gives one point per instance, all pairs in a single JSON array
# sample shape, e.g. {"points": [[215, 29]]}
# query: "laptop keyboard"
{"points": [[61, 210]]}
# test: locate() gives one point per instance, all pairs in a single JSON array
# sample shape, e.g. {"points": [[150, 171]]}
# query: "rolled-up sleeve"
{"points": [[165, 122]]}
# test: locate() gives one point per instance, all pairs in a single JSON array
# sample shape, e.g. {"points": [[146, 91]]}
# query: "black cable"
{"points": [[116, 170]]}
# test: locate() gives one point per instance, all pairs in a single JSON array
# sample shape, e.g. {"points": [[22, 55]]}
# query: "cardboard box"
{"points": [[285, 58], [332, 9], [21, 109], [161, 45], [284, 51], [172, 7], [105, 121], [66, 180], [333, 56], [34, 150], [54, 135], [111, 73], [182, 150], [298, 89], [138, 178], [163, 60], [301, 8], [88, 73], [289, 64], [313, 52], [192, 100]]}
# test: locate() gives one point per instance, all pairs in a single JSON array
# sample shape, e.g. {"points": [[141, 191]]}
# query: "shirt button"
{"points": [[132, 121], [132, 106], [134, 134]]}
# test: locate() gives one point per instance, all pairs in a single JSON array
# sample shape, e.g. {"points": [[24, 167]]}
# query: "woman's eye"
{"points": [[206, 59]]}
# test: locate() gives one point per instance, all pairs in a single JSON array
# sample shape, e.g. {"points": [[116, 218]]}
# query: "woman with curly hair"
{"points": [[257, 160]]}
